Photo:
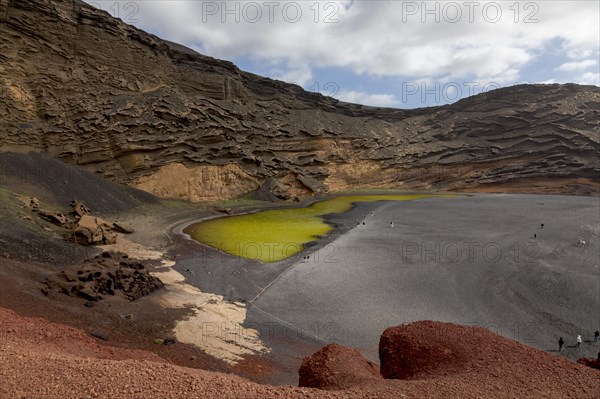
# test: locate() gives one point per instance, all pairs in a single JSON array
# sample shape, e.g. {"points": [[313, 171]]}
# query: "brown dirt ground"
{"points": [[66, 362], [126, 324]]}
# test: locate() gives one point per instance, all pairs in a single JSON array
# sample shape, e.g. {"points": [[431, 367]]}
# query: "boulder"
{"points": [[34, 203], [53, 217], [120, 228], [92, 222], [336, 367], [100, 335], [421, 349], [28, 202], [224, 210], [84, 236], [79, 209], [91, 230]]}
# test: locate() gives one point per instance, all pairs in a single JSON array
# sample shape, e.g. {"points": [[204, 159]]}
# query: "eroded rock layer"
{"points": [[90, 90]]}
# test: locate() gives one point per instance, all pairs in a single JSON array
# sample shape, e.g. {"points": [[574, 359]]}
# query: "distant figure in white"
{"points": [[581, 243], [392, 225], [578, 341]]}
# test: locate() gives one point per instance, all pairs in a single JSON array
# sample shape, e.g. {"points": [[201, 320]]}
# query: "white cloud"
{"points": [[298, 74], [589, 78], [383, 38], [577, 65], [578, 53], [359, 97]]}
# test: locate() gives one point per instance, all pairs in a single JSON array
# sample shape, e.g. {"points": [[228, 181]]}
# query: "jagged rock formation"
{"points": [[85, 229], [90, 230], [104, 275], [90, 90]]}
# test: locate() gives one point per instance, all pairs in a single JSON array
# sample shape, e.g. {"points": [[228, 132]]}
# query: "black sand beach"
{"points": [[470, 260]]}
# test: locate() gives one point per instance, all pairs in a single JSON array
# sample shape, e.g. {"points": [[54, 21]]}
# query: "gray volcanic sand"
{"points": [[471, 260]]}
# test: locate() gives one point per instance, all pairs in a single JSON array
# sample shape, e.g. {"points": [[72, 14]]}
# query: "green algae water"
{"points": [[274, 235]]}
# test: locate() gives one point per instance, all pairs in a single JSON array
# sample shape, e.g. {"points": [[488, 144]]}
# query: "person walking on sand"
{"points": [[392, 225], [561, 342], [596, 336], [578, 341]]}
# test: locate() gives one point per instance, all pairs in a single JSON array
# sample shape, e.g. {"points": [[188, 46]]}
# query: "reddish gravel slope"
{"points": [[45, 360], [446, 357]]}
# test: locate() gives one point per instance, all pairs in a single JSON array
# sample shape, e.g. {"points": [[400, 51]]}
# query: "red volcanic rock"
{"points": [[423, 349], [35, 354], [429, 359], [336, 367], [593, 363]]}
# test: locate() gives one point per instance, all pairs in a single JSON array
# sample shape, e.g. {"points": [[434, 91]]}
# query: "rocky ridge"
{"points": [[93, 91]]}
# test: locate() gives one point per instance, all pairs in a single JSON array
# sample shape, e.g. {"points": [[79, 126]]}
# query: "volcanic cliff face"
{"points": [[90, 90]]}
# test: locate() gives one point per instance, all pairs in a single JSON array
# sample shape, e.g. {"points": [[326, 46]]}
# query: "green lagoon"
{"points": [[274, 235]]}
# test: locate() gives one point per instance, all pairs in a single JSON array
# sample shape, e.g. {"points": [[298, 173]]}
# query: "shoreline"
{"points": [[234, 282], [179, 229], [341, 224]]}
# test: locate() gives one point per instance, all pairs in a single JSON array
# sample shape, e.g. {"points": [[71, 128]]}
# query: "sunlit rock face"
{"points": [[89, 89]]}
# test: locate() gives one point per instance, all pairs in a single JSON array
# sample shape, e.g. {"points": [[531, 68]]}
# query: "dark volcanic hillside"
{"points": [[91, 90]]}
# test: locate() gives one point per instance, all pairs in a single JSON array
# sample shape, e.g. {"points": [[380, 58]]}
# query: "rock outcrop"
{"points": [[83, 227], [53, 217], [90, 90], [105, 275], [91, 230]]}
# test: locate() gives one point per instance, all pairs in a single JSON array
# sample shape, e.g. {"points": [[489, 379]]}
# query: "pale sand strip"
{"points": [[216, 325]]}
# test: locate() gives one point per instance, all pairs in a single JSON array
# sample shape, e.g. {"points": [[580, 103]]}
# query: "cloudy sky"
{"points": [[403, 54]]}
